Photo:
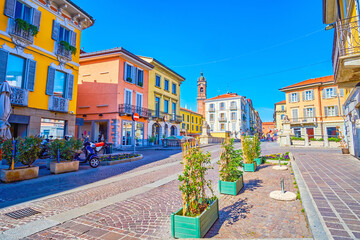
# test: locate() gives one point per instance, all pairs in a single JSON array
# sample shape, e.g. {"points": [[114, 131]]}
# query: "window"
{"points": [[331, 132], [128, 97], [282, 108], [233, 116], [197, 128], [23, 12], [140, 77], [192, 127], [174, 109], [64, 35], [309, 112], [222, 106], [297, 132], [15, 71], [174, 88], [139, 102], [222, 127], [52, 127], [295, 114], [183, 117], [222, 116], [157, 106], [294, 97], [233, 105], [187, 127], [166, 87], [188, 118], [308, 95], [211, 117], [196, 120], [282, 116], [201, 89], [192, 119], [331, 111], [59, 84], [329, 93], [212, 127], [157, 80], [166, 106], [183, 126]]}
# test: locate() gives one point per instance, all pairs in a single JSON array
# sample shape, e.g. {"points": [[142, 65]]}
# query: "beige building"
{"points": [[314, 107], [279, 114]]}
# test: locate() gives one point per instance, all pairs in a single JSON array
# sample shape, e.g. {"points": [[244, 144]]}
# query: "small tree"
{"points": [[230, 160], [192, 182], [67, 149], [256, 146], [7, 147], [28, 149], [247, 149]]}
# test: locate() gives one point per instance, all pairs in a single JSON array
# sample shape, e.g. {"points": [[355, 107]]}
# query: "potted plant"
{"points": [[343, 145], [257, 150], [25, 151], [62, 152], [248, 154], [199, 212], [231, 178], [129, 79]]}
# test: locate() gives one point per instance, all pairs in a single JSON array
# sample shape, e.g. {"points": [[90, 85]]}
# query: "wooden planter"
{"points": [[258, 161], [298, 142], [231, 188], [345, 151], [194, 227], [19, 174], [63, 167], [317, 143], [250, 167]]}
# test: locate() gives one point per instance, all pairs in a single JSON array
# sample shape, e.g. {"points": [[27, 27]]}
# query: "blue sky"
{"points": [[252, 48]]}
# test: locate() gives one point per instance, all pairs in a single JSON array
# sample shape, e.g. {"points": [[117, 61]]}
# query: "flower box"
{"points": [[63, 167], [231, 188], [105, 162], [250, 167], [19, 174], [298, 142], [317, 143], [258, 161], [194, 227]]}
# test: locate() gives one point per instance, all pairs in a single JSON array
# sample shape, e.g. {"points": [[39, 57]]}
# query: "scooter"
{"points": [[100, 147], [89, 155]]}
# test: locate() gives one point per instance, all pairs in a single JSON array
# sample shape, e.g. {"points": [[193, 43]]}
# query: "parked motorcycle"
{"points": [[88, 154], [100, 147]]}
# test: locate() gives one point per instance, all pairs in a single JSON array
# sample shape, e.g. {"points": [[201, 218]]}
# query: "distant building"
{"points": [[191, 123], [279, 114], [268, 128]]}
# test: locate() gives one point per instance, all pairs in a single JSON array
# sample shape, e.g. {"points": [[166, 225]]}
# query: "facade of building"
{"points": [[344, 17], [314, 107], [163, 101], [191, 123], [113, 84], [39, 58], [268, 128], [201, 94], [279, 114]]}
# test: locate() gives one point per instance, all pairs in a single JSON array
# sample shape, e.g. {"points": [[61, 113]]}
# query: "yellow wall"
{"points": [[195, 120], [221, 134], [278, 113], [38, 98]]}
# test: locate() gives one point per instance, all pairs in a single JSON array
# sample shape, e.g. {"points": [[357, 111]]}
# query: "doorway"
{"points": [[310, 133], [156, 133]]}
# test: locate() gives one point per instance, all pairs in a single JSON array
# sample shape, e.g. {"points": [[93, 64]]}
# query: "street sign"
{"points": [[135, 116]]}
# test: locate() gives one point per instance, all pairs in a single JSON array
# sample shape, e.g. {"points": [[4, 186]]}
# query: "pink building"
{"points": [[113, 84]]}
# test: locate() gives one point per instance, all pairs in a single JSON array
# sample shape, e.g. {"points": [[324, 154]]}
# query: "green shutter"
{"points": [[30, 74], [3, 64], [50, 81]]}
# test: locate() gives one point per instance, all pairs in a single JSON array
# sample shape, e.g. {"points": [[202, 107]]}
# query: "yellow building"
{"points": [[191, 122], [39, 58], [279, 114], [314, 107], [163, 100]]}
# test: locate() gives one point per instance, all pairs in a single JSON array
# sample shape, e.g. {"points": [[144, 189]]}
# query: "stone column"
{"points": [[326, 140], [284, 136], [306, 136]]}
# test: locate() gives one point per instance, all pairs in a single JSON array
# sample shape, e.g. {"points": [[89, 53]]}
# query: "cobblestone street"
{"points": [[137, 202]]}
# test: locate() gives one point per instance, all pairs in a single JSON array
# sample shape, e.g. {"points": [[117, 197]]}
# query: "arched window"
{"points": [[201, 89]]}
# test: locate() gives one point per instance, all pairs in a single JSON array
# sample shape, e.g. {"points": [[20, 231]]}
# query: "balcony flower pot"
{"points": [[194, 227], [231, 188], [19, 174], [258, 161], [64, 167], [250, 167], [345, 151]]}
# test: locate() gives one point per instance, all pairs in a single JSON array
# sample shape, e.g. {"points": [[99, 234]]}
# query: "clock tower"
{"points": [[201, 96]]}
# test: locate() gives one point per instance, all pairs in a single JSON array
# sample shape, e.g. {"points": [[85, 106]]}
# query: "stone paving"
{"points": [[333, 180]]}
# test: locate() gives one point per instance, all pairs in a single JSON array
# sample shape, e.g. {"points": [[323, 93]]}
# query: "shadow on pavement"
{"points": [[252, 185]]}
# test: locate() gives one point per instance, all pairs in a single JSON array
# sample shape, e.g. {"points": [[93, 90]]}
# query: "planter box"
{"points": [[63, 167], [298, 142], [19, 174], [250, 167], [317, 143], [106, 163], [194, 227], [345, 151], [231, 188], [334, 144], [258, 161]]}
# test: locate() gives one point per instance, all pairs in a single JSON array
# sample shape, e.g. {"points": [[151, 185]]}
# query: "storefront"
{"points": [[128, 128]]}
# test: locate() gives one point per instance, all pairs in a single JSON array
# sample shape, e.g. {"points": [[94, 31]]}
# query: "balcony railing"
{"points": [[19, 96], [63, 52], [14, 29], [348, 36], [128, 109], [157, 115], [58, 104], [211, 109], [222, 119], [305, 120]]}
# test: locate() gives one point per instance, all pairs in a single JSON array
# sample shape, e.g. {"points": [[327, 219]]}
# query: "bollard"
{"points": [[279, 162], [58, 156], [282, 185]]}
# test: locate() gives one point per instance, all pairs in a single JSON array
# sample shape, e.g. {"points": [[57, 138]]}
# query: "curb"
{"points": [[109, 163], [316, 225]]}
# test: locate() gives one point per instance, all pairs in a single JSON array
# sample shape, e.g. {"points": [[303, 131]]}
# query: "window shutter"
{"points": [[50, 81], [305, 113], [289, 96], [10, 8], [73, 39], [31, 71], [70, 86], [336, 111], [133, 75], [297, 97], [326, 111], [334, 91], [342, 92], [55, 30], [303, 95], [136, 76], [312, 95], [314, 112], [324, 93], [36, 18], [3, 64], [125, 70]]}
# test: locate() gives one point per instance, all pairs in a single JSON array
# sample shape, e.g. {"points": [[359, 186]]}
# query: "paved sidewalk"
{"points": [[333, 180]]}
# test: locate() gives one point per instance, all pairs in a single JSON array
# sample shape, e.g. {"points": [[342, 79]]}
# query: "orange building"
{"points": [[113, 84], [314, 107], [268, 127]]}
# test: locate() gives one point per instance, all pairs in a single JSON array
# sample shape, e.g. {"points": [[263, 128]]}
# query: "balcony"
{"points": [[19, 96], [62, 52], [233, 107], [19, 34], [58, 104], [127, 109], [222, 119], [302, 121], [211, 109], [346, 52]]}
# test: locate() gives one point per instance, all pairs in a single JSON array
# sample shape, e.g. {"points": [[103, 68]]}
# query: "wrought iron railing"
{"points": [[14, 29], [303, 120], [19, 96], [155, 115], [58, 104], [130, 109], [63, 52]]}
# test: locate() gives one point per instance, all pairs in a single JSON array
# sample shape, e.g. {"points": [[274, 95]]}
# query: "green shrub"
{"points": [[28, 149], [248, 152], [7, 151], [230, 160], [256, 146], [334, 139], [316, 139], [297, 138], [67, 149]]}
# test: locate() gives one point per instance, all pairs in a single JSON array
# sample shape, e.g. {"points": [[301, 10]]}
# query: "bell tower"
{"points": [[201, 96]]}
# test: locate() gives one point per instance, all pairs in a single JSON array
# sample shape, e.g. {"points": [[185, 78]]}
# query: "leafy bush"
{"points": [[230, 160], [256, 146], [248, 152], [297, 138], [118, 157], [68, 47], [316, 139], [28, 149], [193, 182], [67, 149], [24, 25], [7, 151], [334, 139]]}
